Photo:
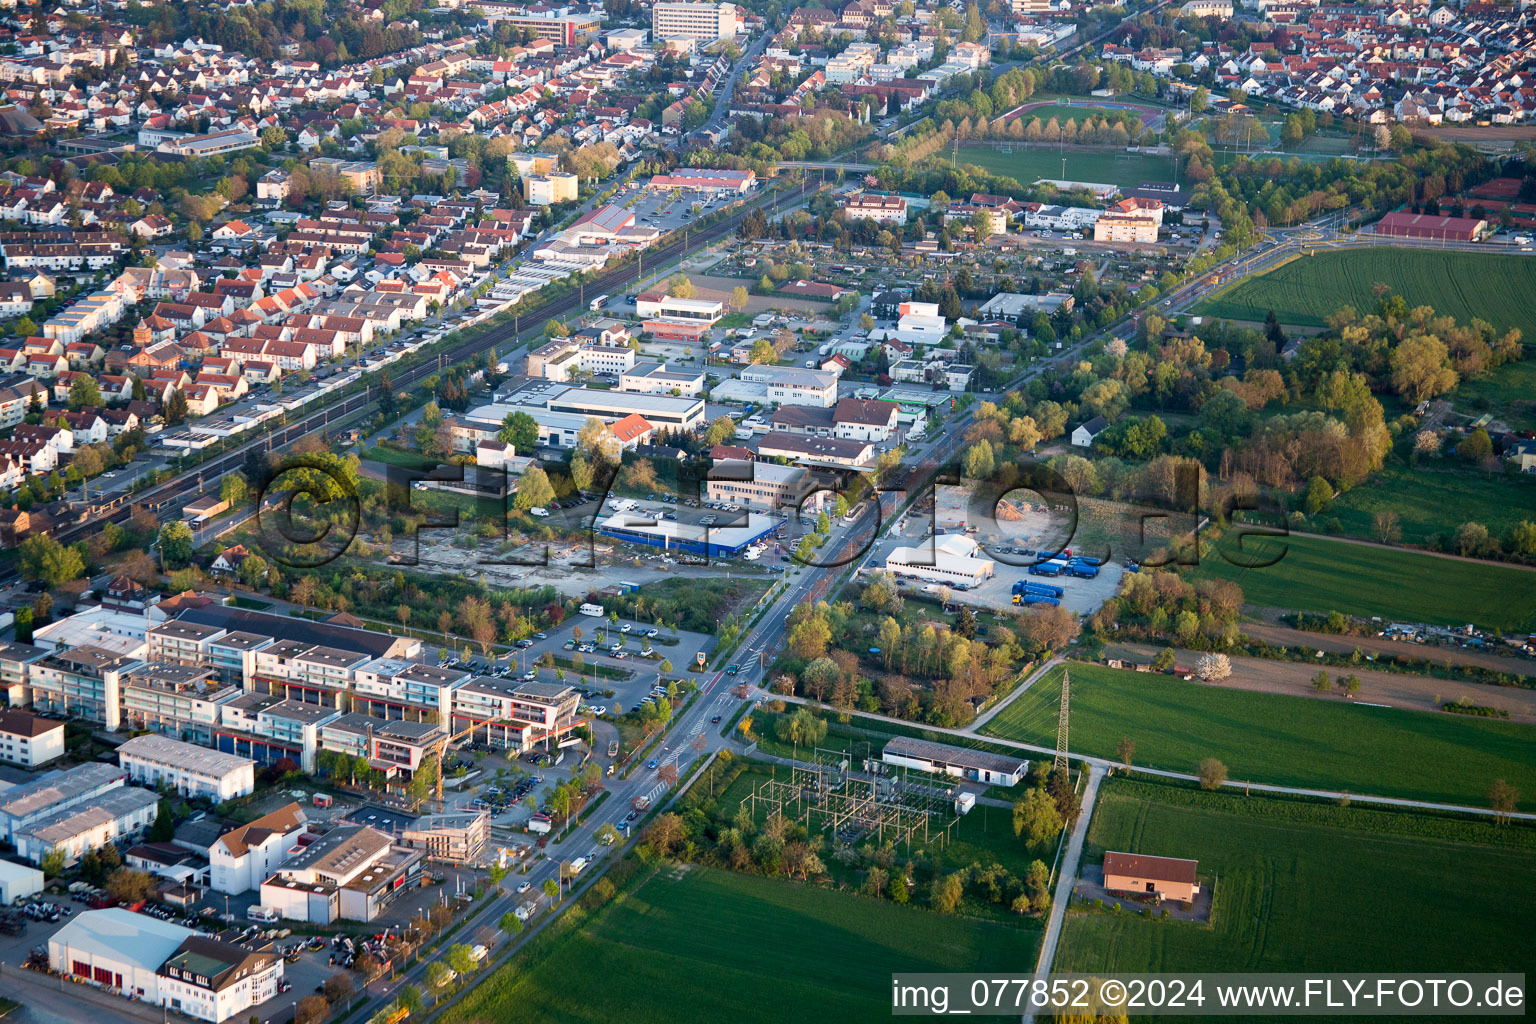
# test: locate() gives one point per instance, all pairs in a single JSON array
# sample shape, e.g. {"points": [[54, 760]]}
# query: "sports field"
{"points": [[1110, 166], [1314, 574], [702, 945], [1310, 888], [1493, 286], [1274, 738]]}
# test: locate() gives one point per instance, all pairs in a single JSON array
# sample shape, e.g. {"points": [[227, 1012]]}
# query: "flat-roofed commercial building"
{"points": [[190, 770], [562, 358], [560, 26], [612, 406], [22, 806], [661, 306], [706, 178], [765, 485], [452, 837], [704, 21], [352, 872], [655, 379]]}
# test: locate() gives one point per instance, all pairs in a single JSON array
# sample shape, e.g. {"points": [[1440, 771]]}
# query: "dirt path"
{"points": [[1273, 633], [1391, 688]]}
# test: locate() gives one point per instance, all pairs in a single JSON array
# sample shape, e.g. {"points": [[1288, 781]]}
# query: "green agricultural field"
{"points": [[1464, 285], [1313, 574], [1311, 888], [1274, 738], [1421, 496], [702, 945], [1110, 166]]}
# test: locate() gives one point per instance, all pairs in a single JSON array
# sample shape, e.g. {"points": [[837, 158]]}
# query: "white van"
{"points": [[542, 513]]}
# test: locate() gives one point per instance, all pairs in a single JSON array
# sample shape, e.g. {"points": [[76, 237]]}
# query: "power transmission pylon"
{"points": [[1059, 764]]}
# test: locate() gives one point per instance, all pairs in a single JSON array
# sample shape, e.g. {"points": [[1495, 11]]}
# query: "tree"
{"points": [[128, 886], [461, 958], [1212, 773], [45, 559], [1322, 682], [84, 392], [1503, 798], [1385, 527], [175, 541], [1214, 667], [720, 430], [945, 891], [439, 975], [25, 328], [533, 489], [339, 988], [739, 297], [1472, 539], [164, 828], [1350, 684], [510, 923], [520, 430], [1126, 750], [53, 862], [1317, 496], [1420, 369], [1036, 818], [551, 888]]}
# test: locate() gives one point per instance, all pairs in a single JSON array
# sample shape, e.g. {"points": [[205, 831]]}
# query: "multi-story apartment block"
{"points": [[707, 21]]}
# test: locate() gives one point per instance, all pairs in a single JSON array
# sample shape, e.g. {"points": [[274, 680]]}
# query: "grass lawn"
{"points": [[1420, 497], [1314, 574], [392, 456], [707, 945], [1275, 738], [1464, 285], [1309, 894], [1110, 166], [1508, 392]]}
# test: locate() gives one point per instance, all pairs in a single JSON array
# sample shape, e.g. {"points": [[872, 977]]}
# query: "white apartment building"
{"points": [[188, 769], [704, 21], [241, 859], [789, 385], [559, 360], [548, 189], [881, 209], [28, 740]]}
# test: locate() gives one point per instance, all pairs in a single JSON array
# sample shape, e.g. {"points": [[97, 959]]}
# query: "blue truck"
{"points": [[1040, 588], [1082, 569], [1034, 597], [1055, 567]]}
